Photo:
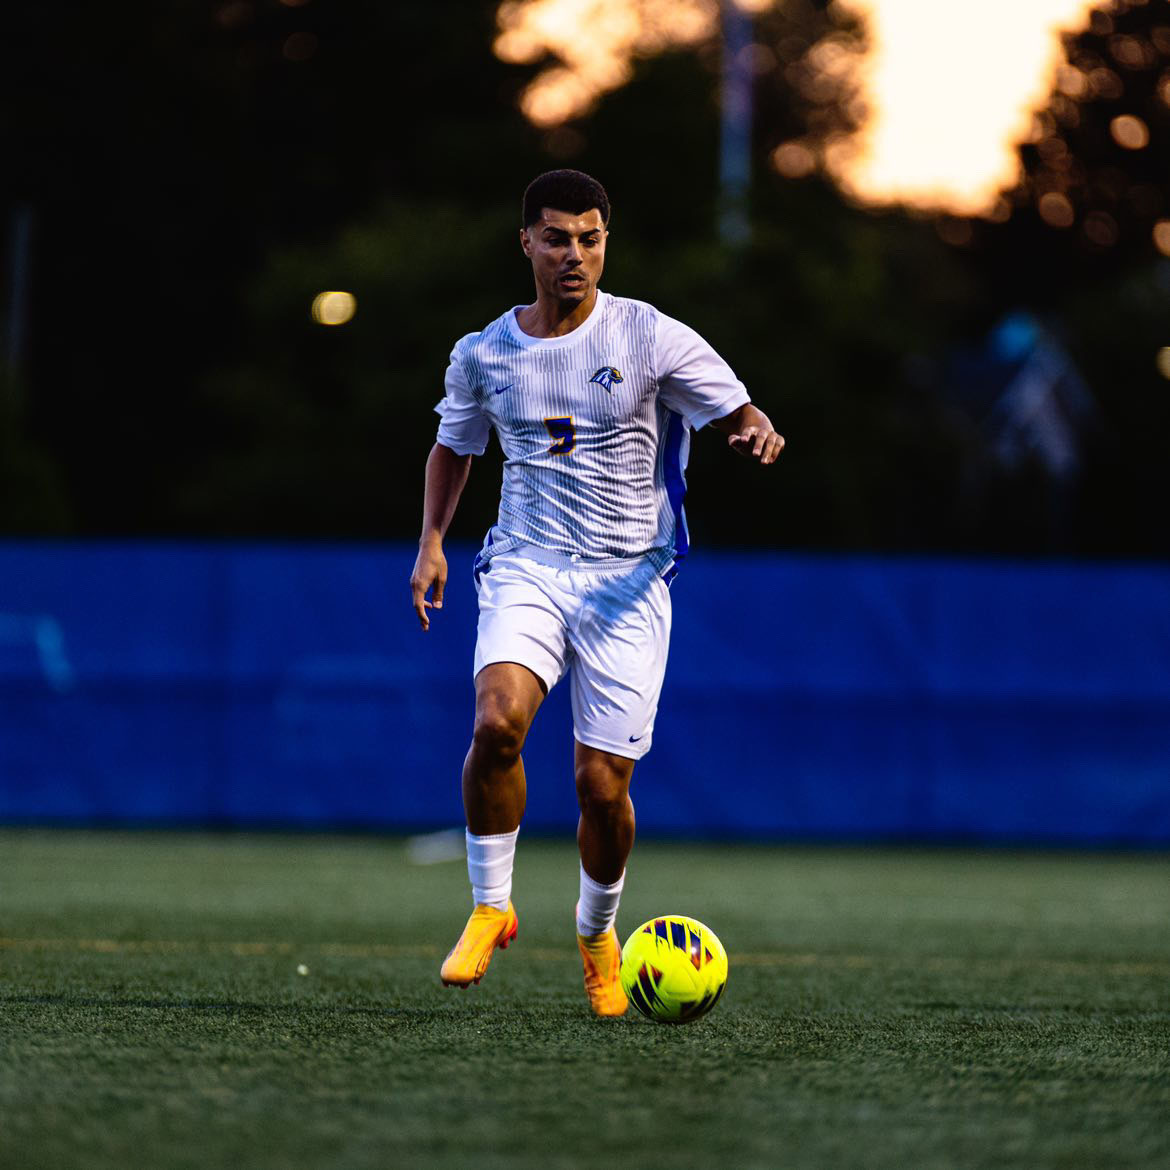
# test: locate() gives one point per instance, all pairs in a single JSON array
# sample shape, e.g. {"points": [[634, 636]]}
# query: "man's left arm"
{"points": [[750, 434]]}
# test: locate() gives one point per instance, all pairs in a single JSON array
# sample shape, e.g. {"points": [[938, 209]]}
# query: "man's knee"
{"points": [[603, 789], [501, 726]]}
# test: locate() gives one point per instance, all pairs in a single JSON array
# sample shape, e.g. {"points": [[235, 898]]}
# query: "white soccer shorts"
{"points": [[610, 627]]}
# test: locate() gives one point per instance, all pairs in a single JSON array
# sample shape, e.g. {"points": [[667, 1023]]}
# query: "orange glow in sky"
{"points": [[950, 90], [949, 87], [595, 42]]}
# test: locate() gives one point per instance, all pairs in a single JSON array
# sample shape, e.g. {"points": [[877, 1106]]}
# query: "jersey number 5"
{"points": [[563, 434]]}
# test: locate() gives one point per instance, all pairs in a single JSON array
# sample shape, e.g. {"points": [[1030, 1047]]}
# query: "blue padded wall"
{"points": [[843, 698]]}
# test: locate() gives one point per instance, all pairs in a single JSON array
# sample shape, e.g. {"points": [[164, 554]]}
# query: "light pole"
{"points": [[735, 136]]}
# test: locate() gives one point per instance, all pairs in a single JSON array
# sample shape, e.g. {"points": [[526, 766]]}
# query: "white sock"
{"points": [[597, 906], [489, 865]]}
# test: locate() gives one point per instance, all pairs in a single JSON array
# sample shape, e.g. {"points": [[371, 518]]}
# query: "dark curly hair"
{"points": [[565, 190]]}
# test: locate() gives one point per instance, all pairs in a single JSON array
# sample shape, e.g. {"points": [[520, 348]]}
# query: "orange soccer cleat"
{"points": [[486, 929], [603, 964]]}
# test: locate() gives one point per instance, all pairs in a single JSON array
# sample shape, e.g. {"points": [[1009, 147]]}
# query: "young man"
{"points": [[593, 398]]}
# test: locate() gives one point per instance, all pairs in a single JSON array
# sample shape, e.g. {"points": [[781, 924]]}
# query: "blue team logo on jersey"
{"points": [[606, 377]]}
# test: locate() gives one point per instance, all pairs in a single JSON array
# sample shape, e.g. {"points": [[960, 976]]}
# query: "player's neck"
{"points": [[549, 317]]}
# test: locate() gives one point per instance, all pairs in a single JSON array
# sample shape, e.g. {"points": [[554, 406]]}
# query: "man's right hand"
{"points": [[430, 569]]}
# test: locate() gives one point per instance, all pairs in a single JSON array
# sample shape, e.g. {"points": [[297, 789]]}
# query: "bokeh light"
{"points": [[1056, 210], [1162, 236], [954, 231], [1129, 132], [1072, 82], [1101, 228], [334, 307], [794, 160], [1104, 83], [1131, 52], [1163, 361], [300, 46]]}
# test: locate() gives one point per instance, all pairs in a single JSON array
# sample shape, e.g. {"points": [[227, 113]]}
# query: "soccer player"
{"points": [[593, 398]]}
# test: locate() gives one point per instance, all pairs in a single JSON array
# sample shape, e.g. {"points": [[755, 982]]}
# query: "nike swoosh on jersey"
{"points": [[503, 388], [635, 738]]}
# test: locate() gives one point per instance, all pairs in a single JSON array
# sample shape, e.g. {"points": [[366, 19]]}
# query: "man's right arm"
{"points": [[445, 478]]}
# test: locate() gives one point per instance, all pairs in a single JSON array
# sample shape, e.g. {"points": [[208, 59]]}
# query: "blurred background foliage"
{"points": [[195, 173]]}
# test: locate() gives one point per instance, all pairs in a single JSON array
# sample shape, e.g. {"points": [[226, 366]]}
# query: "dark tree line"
{"points": [[195, 173]]}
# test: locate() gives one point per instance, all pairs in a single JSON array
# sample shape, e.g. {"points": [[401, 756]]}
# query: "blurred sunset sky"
{"points": [[945, 90]]}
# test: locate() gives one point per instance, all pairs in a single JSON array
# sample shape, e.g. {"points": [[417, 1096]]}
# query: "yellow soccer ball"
{"points": [[674, 969]]}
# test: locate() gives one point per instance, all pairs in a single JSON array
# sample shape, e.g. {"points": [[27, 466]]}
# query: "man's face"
{"points": [[567, 253]]}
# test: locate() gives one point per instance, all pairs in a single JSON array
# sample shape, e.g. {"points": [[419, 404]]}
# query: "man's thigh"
{"points": [[522, 621], [619, 664]]}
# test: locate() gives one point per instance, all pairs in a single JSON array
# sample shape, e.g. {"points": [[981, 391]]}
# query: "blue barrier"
{"points": [[841, 698]]}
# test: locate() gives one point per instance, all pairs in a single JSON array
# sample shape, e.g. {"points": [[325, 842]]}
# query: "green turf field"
{"points": [[885, 1009]]}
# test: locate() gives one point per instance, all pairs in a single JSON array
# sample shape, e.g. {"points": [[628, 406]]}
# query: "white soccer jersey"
{"points": [[595, 428]]}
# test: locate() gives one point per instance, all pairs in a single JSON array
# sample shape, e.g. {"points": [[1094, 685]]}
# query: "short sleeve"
{"points": [[463, 427], [694, 380]]}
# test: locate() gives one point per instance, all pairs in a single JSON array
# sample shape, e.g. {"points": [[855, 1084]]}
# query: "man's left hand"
{"points": [[760, 443]]}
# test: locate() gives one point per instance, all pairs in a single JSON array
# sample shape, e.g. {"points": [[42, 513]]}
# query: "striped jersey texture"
{"points": [[595, 428]]}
